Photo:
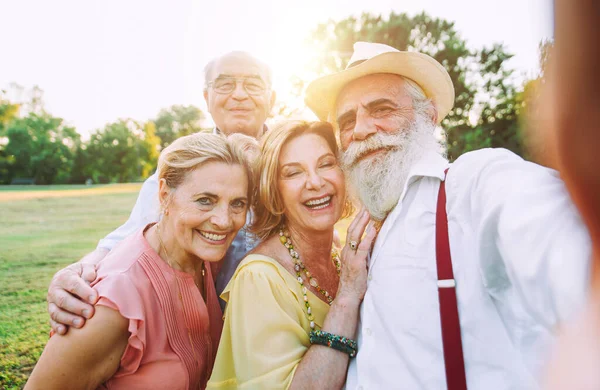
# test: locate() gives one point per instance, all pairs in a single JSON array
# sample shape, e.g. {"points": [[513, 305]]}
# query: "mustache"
{"points": [[376, 142]]}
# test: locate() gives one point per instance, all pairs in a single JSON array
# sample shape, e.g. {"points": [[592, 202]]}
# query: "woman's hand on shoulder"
{"points": [[353, 276]]}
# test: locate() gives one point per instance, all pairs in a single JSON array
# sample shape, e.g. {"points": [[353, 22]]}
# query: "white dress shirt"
{"points": [[145, 211], [520, 255]]}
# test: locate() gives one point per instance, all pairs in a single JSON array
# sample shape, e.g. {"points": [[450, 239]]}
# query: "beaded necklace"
{"points": [[299, 267], [164, 248]]}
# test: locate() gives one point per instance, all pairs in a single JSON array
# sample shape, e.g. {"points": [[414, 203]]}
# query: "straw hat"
{"points": [[369, 58]]}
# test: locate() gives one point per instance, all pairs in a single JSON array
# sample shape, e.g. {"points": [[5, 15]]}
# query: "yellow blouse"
{"points": [[266, 327]]}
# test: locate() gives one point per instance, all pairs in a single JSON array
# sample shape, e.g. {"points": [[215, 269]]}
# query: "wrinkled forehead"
{"points": [[215, 177], [238, 66], [367, 89]]}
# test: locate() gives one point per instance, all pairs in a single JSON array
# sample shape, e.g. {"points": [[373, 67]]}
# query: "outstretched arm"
{"points": [[572, 102], [575, 96]]}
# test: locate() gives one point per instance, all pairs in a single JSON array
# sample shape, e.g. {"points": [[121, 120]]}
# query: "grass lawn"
{"points": [[43, 229]]}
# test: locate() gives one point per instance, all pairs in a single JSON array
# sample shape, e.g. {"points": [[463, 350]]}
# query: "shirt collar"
{"points": [[429, 165]]}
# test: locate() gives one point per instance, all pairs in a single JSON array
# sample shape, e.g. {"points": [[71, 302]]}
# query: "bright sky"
{"points": [[101, 60]]}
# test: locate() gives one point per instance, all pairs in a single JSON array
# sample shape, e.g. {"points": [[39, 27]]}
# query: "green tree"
{"points": [[120, 152], [177, 121], [501, 104], [149, 148], [8, 111], [42, 147], [480, 77]]}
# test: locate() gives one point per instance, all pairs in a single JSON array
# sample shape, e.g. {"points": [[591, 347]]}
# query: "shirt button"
{"points": [[370, 277], [368, 330]]}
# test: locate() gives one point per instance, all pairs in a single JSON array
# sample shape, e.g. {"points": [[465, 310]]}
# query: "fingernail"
{"points": [[86, 313], [92, 298], [61, 330], [78, 322]]}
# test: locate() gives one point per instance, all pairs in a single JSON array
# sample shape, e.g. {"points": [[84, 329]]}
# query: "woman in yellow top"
{"points": [[292, 305]]}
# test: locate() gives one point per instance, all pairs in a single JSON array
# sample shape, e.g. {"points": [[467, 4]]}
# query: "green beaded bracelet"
{"points": [[339, 343]]}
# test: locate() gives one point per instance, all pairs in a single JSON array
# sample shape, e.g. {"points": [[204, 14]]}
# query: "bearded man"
{"points": [[472, 269]]}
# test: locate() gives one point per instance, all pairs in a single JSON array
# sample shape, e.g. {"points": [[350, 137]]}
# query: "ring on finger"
{"points": [[353, 245]]}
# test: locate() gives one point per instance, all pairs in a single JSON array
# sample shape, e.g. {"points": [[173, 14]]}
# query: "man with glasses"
{"points": [[239, 98], [238, 93]]}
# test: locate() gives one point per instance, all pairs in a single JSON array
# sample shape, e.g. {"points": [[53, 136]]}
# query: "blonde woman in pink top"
{"points": [[158, 322]]}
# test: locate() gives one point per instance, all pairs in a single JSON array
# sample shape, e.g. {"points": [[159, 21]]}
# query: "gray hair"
{"points": [[421, 103], [208, 69]]}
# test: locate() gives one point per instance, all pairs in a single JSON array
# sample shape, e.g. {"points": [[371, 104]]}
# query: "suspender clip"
{"points": [[446, 283]]}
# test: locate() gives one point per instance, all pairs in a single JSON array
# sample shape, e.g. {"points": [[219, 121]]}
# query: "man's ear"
{"points": [[206, 96], [433, 114]]}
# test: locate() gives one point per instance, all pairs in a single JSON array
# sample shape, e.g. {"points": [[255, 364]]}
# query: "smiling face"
{"points": [[239, 111], [311, 183], [384, 130], [205, 211], [372, 104]]}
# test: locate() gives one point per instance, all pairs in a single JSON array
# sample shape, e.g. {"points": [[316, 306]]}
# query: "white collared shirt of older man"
{"points": [[520, 256]]}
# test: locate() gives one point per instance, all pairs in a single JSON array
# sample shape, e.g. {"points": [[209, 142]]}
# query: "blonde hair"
{"points": [[269, 210], [187, 153], [249, 145]]}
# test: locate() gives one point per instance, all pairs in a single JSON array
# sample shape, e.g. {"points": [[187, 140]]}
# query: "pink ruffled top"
{"points": [[134, 280]]}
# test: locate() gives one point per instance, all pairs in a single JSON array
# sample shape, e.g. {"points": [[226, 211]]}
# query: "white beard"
{"points": [[378, 181]]}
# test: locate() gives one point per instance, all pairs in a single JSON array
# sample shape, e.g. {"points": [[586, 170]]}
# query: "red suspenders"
{"points": [[453, 354]]}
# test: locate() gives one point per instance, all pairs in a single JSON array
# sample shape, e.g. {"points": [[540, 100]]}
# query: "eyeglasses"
{"points": [[226, 85]]}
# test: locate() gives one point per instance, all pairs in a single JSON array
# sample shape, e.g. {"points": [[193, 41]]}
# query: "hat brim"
{"points": [[431, 76]]}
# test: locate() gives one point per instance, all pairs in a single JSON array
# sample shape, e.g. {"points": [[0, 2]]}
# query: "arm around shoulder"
{"points": [[70, 298]]}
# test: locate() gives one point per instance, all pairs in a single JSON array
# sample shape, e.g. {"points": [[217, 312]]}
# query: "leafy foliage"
{"points": [[122, 151], [40, 146], [177, 121], [8, 111], [481, 79]]}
